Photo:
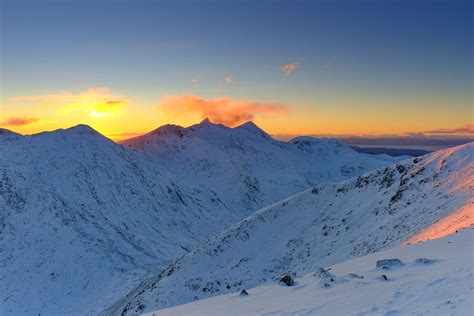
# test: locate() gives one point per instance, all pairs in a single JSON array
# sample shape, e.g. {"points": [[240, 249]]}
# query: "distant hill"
{"points": [[395, 152]]}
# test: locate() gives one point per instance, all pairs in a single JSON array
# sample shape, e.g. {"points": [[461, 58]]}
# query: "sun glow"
{"points": [[99, 114]]}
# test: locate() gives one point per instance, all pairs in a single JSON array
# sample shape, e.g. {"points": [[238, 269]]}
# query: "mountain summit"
{"points": [[246, 167]]}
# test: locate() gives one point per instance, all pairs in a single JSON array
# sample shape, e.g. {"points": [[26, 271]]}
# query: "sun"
{"points": [[96, 114]]}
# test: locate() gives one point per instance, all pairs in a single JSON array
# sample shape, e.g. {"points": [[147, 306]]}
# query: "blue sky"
{"points": [[367, 58]]}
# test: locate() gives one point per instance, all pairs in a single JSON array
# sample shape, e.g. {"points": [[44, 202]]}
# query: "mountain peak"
{"points": [[249, 124], [253, 128], [82, 129], [205, 121], [168, 129], [9, 135], [4, 131]]}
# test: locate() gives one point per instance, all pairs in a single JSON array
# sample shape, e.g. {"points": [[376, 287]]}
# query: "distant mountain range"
{"points": [[391, 151], [83, 220], [246, 167]]}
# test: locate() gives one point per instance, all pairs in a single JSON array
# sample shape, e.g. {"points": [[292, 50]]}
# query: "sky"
{"points": [[334, 68]]}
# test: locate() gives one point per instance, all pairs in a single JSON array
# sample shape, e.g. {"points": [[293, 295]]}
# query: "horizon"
{"points": [[407, 142], [125, 68]]}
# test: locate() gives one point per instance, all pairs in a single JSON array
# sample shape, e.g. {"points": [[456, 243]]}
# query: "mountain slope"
{"points": [[435, 278], [321, 226], [246, 167], [82, 219]]}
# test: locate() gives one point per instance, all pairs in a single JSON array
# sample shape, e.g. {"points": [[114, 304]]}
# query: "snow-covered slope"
{"points": [[435, 278], [82, 219], [321, 226], [246, 167]]}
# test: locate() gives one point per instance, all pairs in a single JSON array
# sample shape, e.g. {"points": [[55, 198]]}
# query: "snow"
{"points": [[440, 285], [318, 227], [247, 168], [83, 220], [88, 226]]}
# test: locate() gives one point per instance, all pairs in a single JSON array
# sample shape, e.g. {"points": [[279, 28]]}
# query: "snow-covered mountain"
{"points": [[321, 226], [246, 167], [434, 278], [82, 219]]}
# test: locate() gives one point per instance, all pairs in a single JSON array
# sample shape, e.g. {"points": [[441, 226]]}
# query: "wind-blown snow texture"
{"points": [[246, 167], [83, 220], [435, 278], [82, 217], [321, 226]]}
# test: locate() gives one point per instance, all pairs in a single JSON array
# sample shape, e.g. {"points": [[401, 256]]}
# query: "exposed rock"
{"points": [[424, 261], [244, 293], [287, 280], [388, 263]]}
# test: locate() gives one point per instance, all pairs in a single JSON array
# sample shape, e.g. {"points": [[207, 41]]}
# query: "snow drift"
{"points": [[321, 226], [435, 278]]}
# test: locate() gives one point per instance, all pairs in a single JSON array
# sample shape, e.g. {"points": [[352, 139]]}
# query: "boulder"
{"points": [[287, 280], [424, 261], [388, 263]]}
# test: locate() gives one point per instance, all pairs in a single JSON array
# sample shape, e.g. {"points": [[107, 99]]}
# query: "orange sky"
{"points": [[119, 116]]}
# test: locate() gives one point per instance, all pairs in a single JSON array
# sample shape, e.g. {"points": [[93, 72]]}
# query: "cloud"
{"points": [[97, 102], [466, 129], [222, 110], [114, 103], [20, 121], [288, 69], [228, 79]]}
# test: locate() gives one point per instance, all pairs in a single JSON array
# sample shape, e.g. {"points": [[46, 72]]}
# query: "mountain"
{"points": [[247, 168], [83, 219], [434, 278], [321, 226]]}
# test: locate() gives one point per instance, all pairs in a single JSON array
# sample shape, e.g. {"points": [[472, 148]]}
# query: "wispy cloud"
{"points": [[288, 69], [222, 110], [466, 129], [228, 79], [19, 121], [97, 102]]}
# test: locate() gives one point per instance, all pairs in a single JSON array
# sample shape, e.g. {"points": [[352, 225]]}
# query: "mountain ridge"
{"points": [[321, 226], [245, 159]]}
